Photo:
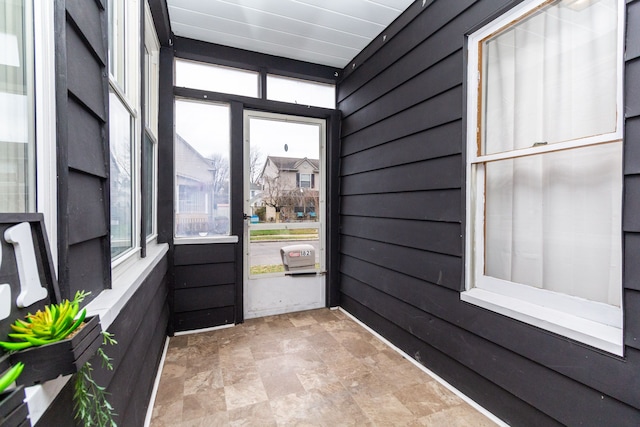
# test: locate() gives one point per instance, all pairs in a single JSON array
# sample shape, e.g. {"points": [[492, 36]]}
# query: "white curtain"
{"points": [[553, 220]]}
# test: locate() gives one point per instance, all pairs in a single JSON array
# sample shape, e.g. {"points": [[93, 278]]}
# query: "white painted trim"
{"points": [[427, 371], [156, 384], [596, 334], [197, 331], [45, 121], [204, 240]]}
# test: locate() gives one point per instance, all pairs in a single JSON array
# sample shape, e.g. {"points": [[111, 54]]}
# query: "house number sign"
{"points": [[31, 289]]}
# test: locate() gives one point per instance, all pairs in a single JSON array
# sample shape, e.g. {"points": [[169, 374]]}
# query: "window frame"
{"points": [[189, 240], [128, 93], [595, 324], [151, 107]]}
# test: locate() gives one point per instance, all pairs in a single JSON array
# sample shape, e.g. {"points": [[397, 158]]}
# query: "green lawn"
{"points": [[296, 234]]}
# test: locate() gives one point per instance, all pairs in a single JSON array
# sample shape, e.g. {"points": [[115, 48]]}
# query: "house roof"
{"points": [[292, 163]]}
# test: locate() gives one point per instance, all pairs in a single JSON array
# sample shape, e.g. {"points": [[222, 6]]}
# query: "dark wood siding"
{"points": [[402, 230], [205, 282], [82, 146], [140, 330], [83, 218]]}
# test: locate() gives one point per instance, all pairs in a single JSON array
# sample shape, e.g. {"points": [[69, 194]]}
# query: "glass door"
{"points": [[284, 209]]}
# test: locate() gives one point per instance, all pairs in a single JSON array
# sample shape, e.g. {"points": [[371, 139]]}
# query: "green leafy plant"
{"points": [[90, 403], [54, 323], [10, 376]]}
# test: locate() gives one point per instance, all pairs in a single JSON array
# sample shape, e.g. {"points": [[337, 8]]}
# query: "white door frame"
{"points": [[278, 293]]}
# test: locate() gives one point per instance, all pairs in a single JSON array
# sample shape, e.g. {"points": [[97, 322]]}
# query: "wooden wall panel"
{"points": [[203, 254], [402, 232], [429, 144], [86, 150], [434, 112], [193, 276], [632, 146], [85, 77], [86, 266], [444, 75], [190, 320], [426, 235], [205, 285], [87, 16], [441, 205], [203, 298], [441, 173], [444, 270], [86, 212]]}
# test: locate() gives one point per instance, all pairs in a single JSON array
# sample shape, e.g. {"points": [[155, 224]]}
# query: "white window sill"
{"points": [[598, 335], [107, 305], [204, 240]]}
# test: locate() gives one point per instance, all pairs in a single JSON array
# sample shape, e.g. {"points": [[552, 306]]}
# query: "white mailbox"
{"points": [[298, 257]]}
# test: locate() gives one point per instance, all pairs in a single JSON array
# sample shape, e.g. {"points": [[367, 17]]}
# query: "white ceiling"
{"points": [[328, 32]]}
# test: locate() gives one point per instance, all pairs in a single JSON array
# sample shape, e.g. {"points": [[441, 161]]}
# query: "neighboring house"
{"points": [[290, 187], [200, 204]]}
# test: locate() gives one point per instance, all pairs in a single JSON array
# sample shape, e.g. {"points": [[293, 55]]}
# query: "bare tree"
{"points": [[219, 167], [276, 194], [256, 162]]}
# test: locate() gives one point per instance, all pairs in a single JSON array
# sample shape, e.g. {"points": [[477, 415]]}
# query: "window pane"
{"points": [[17, 147], [117, 50], [120, 146], [551, 77], [216, 78], [301, 92], [553, 221], [148, 192], [202, 148]]}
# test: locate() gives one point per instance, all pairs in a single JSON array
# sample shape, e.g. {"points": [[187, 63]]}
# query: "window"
{"points": [[202, 175], [216, 78], [304, 180], [17, 130], [27, 111], [124, 107], [544, 168], [301, 92]]}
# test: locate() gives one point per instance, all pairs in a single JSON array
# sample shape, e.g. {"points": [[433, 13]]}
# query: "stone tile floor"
{"points": [[314, 368]]}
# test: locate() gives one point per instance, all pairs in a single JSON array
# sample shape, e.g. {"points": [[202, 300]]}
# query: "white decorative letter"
{"points": [[31, 290]]}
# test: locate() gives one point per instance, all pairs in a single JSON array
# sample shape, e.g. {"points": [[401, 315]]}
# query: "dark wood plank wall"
{"points": [[83, 147], [83, 196], [205, 282], [402, 230], [141, 332]]}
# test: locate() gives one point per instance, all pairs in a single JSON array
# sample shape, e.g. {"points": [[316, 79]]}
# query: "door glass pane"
{"points": [[551, 77], [202, 149], [17, 142], [285, 192]]}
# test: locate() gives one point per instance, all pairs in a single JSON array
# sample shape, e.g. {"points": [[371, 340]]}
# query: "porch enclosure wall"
{"points": [[83, 218], [402, 216], [208, 278]]}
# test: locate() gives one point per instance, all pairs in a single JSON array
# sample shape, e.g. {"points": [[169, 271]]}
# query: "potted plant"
{"points": [[57, 340]]}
